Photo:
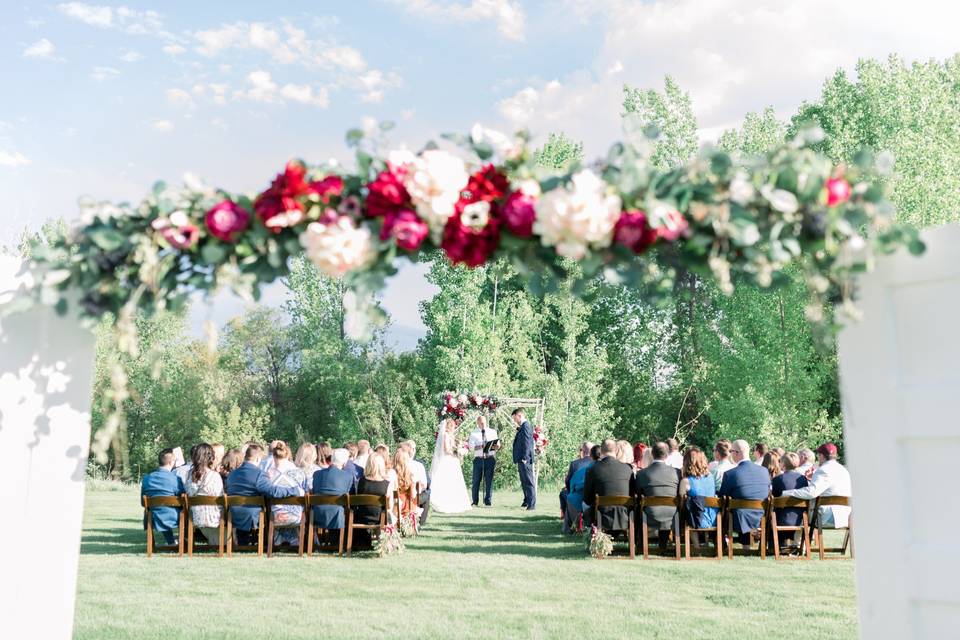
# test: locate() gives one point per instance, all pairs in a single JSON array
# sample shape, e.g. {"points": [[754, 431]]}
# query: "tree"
{"points": [[671, 112], [559, 152]]}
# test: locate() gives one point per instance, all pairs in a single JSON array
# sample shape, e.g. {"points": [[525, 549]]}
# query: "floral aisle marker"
{"points": [[600, 544], [735, 220], [389, 542]]}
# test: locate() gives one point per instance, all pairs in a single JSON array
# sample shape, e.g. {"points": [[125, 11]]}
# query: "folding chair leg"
{"points": [[300, 542], [850, 534], [310, 533], [340, 545], [730, 533], [260, 535], [645, 540], [180, 535], [229, 537], [763, 538], [776, 536], [190, 538], [719, 536], [349, 533], [633, 542], [676, 538], [270, 539], [806, 536], [149, 535], [686, 543], [220, 539]]}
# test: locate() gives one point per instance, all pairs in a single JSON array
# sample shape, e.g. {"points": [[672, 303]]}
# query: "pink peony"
{"points": [[466, 240], [386, 194], [182, 237], [519, 213], [227, 220], [838, 191], [406, 227], [670, 224], [634, 232]]}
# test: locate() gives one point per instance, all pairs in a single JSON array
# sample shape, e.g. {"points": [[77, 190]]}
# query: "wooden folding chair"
{"points": [[365, 500], [315, 501], [396, 505], [618, 501], [833, 501], [245, 501], [735, 504], [708, 502], [658, 501], [300, 501], [785, 502], [149, 504], [205, 501]]}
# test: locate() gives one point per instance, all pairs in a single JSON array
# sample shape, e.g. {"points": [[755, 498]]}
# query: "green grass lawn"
{"points": [[492, 573]]}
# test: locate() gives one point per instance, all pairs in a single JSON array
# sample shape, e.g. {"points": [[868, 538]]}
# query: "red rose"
{"points": [[282, 194], [406, 228], [487, 184], [838, 191], [227, 220], [472, 234], [518, 214], [634, 232], [329, 186], [385, 194]]}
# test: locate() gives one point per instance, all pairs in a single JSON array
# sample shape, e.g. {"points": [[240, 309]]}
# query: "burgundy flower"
{"points": [[385, 194], [518, 214], [634, 232], [329, 186], [227, 220], [472, 234], [487, 184], [283, 199], [406, 227], [838, 191]]}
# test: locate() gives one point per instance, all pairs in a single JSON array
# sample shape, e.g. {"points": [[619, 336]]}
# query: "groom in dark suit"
{"points": [[523, 458]]}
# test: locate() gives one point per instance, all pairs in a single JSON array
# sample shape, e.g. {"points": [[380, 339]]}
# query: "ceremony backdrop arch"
{"points": [[736, 220]]}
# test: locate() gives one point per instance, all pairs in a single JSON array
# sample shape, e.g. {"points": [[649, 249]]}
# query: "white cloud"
{"points": [[174, 49], [105, 17], [42, 49], [507, 14], [179, 98], [163, 126], [12, 159], [262, 88], [304, 94], [732, 56], [131, 56], [103, 73]]}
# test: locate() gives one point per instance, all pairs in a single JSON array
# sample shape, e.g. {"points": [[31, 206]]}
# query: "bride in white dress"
{"points": [[448, 490]]}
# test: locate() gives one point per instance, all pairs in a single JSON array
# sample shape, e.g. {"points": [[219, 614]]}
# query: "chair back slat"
{"points": [[316, 501], [292, 500], [737, 503], [659, 501], [248, 501], [833, 501], [205, 501], [712, 502], [162, 501], [787, 502], [367, 500], [614, 501]]}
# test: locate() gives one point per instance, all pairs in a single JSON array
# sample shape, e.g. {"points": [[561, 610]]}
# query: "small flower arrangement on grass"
{"points": [[389, 543], [600, 545], [409, 525]]}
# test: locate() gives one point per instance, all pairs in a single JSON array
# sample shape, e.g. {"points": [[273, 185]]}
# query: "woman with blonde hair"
{"points": [[406, 487], [284, 473], [306, 460]]}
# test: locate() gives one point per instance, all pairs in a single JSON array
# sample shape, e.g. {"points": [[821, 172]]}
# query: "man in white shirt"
{"points": [[363, 453], [675, 458], [831, 479], [484, 459]]}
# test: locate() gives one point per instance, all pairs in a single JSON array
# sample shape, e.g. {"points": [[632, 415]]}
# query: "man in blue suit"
{"points": [[523, 458], [250, 480], [335, 480], [163, 482], [746, 481]]}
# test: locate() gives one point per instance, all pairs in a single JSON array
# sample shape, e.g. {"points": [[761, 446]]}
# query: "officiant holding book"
{"points": [[484, 444]]}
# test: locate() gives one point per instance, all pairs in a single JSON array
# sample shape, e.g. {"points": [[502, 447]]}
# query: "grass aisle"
{"points": [[499, 572]]}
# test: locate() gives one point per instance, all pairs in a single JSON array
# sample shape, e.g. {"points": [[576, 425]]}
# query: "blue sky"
{"points": [[103, 99]]}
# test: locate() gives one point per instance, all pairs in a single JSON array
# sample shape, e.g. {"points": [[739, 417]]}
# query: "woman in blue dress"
{"points": [[698, 483]]}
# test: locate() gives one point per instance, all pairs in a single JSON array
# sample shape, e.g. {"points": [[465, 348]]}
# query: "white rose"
{"points": [[741, 190], [179, 219], [339, 247], [780, 199], [434, 181], [530, 188], [579, 217], [400, 157]]}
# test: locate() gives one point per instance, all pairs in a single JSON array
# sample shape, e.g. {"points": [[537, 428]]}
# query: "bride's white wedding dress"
{"points": [[448, 490]]}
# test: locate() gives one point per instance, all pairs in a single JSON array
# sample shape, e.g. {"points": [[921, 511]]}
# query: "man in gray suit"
{"points": [[657, 480]]}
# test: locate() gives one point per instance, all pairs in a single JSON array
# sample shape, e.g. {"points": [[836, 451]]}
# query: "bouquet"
{"points": [[389, 542], [540, 439], [409, 525], [463, 448], [600, 545]]}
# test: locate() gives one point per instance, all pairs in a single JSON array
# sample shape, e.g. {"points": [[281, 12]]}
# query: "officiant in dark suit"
{"points": [[523, 450], [609, 477], [484, 443]]}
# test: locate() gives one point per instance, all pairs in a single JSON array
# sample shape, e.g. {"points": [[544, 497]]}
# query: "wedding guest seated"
{"points": [[249, 479], [184, 468], [373, 483], [205, 481], [306, 461], [285, 474], [324, 455], [160, 483], [698, 483], [571, 519], [771, 462], [582, 460], [231, 460], [830, 479], [363, 453], [406, 485], [422, 478], [807, 463], [351, 464], [218, 452], [786, 481], [638, 450], [759, 450], [674, 458], [335, 480], [780, 451], [721, 461], [746, 481], [625, 454], [647, 458], [268, 461], [608, 477], [659, 480]]}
